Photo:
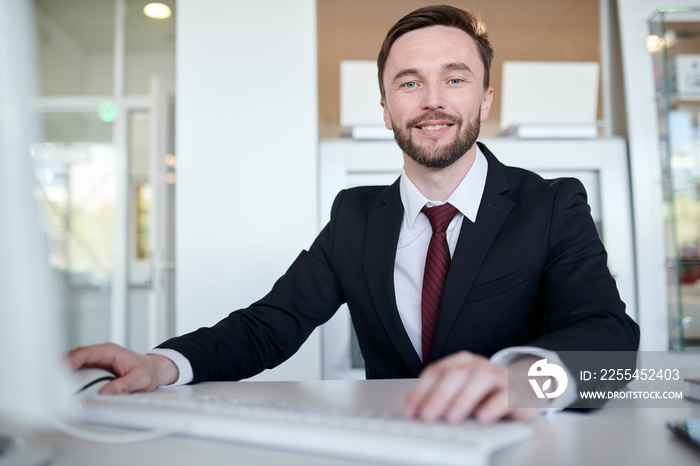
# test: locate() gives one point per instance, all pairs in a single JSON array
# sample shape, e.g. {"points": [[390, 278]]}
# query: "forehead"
{"points": [[433, 46]]}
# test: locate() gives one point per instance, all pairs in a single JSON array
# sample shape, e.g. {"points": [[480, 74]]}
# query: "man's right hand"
{"points": [[135, 372]]}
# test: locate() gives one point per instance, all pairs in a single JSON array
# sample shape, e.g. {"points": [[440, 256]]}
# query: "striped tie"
{"points": [[436, 264]]}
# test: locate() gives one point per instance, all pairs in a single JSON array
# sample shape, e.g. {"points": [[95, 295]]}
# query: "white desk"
{"points": [[609, 436]]}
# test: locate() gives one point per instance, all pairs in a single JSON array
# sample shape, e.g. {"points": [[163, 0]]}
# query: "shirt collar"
{"points": [[466, 197]]}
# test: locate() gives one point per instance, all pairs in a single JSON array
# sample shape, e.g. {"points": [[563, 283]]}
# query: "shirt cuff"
{"points": [[183, 365], [508, 355]]}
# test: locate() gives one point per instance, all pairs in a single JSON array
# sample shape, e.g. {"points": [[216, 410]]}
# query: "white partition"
{"points": [[246, 154]]}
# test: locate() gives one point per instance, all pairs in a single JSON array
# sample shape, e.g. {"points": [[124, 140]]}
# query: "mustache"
{"points": [[434, 115]]}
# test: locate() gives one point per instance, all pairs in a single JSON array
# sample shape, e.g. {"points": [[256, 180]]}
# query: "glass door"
{"points": [[74, 167], [93, 162]]}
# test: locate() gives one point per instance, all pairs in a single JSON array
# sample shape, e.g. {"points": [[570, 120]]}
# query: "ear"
{"points": [[486, 103], [387, 115]]}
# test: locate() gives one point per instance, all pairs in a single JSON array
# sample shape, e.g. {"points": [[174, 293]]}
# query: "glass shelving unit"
{"points": [[674, 42]]}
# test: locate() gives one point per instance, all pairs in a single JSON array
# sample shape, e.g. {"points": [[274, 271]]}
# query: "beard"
{"points": [[434, 155]]}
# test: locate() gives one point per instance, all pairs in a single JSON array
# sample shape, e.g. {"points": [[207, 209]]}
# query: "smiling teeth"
{"points": [[433, 127]]}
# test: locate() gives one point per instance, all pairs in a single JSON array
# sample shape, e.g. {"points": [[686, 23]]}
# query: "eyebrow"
{"points": [[454, 66], [404, 73], [457, 66]]}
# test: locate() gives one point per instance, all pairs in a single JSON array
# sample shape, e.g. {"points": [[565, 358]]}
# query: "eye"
{"points": [[455, 80], [410, 85]]}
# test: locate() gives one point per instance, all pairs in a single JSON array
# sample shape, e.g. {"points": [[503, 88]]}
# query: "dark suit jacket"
{"points": [[530, 271]]}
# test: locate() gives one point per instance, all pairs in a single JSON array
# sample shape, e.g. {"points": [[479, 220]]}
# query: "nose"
{"points": [[433, 97]]}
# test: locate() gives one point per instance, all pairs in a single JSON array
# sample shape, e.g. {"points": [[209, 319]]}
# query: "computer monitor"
{"points": [[30, 327]]}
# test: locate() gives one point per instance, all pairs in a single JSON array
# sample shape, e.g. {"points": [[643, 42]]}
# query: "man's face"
{"points": [[435, 96]]}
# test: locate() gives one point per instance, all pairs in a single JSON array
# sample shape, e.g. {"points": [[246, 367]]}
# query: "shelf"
{"points": [[685, 99]]}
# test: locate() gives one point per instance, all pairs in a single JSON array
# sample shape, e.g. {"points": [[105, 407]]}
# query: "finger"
{"points": [[479, 388], [431, 376], [416, 397], [493, 407], [113, 388], [91, 356], [134, 381], [76, 357], [497, 407], [441, 397]]}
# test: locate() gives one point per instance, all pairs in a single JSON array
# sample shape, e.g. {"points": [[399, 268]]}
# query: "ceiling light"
{"points": [[157, 10]]}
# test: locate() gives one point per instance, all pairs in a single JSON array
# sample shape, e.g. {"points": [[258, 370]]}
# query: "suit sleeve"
{"points": [[588, 325], [584, 309], [272, 329]]}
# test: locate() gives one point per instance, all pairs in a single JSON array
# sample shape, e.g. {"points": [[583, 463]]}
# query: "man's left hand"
{"points": [[465, 384]]}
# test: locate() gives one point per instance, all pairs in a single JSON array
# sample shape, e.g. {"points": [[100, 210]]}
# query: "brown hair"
{"points": [[438, 15]]}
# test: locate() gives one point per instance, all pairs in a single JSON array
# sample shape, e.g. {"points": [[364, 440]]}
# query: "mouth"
{"points": [[433, 126]]}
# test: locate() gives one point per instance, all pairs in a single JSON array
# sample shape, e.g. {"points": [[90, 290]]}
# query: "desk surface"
{"points": [[612, 435]]}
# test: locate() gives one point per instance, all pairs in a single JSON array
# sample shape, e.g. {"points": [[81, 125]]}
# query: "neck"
{"points": [[437, 184]]}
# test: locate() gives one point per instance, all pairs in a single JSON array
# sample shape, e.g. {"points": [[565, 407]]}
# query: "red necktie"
{"points": [[436, 264]]}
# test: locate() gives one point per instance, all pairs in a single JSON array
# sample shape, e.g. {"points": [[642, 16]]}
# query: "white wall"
{"points": [[645, 164], [246, 146]]}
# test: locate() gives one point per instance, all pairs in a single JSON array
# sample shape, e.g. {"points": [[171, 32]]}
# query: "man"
{"points": [[509, 261]]}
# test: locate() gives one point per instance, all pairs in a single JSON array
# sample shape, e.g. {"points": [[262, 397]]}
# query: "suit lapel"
{"points": [[474, 242], [378, 256]]}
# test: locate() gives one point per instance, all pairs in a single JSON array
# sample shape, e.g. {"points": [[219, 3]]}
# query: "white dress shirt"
{"points": [[414, 239]]}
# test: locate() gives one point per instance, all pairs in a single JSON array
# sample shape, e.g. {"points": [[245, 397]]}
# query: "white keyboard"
{"points": [[367, 436]]}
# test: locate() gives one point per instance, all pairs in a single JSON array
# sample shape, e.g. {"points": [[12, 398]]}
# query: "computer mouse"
{"points": [[88, 381]]}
